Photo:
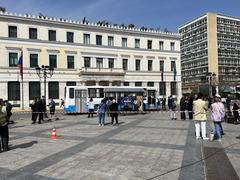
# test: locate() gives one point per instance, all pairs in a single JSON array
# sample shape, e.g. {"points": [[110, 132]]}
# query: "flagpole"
{"points": [[22, 96]]}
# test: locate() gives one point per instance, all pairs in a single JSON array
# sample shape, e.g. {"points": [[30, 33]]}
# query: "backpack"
{"points": [[3, 117]]}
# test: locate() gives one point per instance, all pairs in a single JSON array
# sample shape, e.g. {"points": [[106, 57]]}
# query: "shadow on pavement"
{"points": [[25, 145]]}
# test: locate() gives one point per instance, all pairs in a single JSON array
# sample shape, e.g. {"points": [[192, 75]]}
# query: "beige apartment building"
{"points": [[210, 52], [83, 54]]}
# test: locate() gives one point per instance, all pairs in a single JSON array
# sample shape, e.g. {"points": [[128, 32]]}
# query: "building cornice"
{"points": [[82, 45], [86, 26]]}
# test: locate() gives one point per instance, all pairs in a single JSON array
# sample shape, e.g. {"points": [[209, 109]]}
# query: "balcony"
{"points": [[102, 71]]}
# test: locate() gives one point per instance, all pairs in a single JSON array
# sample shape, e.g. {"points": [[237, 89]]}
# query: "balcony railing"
{"points": [[101, 71]]}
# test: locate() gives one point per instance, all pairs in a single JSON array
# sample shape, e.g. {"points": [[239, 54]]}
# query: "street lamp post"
{"points": [[45, 72]]}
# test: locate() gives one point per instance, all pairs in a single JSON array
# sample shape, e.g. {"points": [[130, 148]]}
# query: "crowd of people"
{"points": [[197, 108]]}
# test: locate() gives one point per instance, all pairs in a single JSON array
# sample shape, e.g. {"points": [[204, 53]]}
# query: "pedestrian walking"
{"points": [[183, 108], [90, 107], [114, 111], [101, 112], [217, 116], [4, 131], [190, 107], [172, 107], [61, 103], [34, 110], [51, 106], [200, 117]]}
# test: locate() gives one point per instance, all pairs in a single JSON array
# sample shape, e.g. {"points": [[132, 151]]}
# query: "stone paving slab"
{"points": [[117, 162]]}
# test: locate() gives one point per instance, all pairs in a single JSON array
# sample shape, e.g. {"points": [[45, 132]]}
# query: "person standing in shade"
{"points": [[40, 106], [34, 111], [164, 103], [171, 107], [9, 111], [44, 106], [217, 116], [190, 107], [114, 111], [183, 108], [200, 117], [235, 112], [101, 112], [4, 131]]}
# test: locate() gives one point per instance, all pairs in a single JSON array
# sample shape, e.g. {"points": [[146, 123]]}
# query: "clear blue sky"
{"points": [[148, 13]]}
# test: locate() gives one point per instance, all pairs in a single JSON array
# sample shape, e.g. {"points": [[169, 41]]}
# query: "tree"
{"points": [[131, 26], [2, 9]]}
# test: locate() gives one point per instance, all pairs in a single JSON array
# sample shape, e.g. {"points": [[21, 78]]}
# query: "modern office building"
{"points": [[210, 52], [84, 54]]}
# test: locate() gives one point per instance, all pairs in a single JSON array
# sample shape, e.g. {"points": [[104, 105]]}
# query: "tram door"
{"points": [[81, 100], [151, 99]]}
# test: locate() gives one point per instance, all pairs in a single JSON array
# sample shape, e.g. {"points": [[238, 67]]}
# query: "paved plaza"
{"points": [[143, 146]]}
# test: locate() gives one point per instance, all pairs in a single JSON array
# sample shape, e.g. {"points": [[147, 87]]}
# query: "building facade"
{"points": [[210, 52], [83, 54]]}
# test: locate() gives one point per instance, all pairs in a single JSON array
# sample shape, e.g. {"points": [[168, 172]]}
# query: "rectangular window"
{"points": [[125, 83], [172, 46], [149, 44], [110, 41], [173, 88], [162, 88], [161, 45], [53, 90], [51, 35], [110, 62], [70, 62], [87, 62], [137, 43], [71, 93], [138, 84], [161, 66], [34, 90], [99, 62], [70, 37], [150, 65], [138, 64], [53, 61], [32, 33], [86, 39], [33, 60], [98, 40], [13, 59], [172, 65], [150, 84], [125, 64], [12, 31], [13, 91], [124, 42], [71, 83]]}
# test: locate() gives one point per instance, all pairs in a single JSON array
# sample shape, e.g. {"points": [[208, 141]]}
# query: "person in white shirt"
{"points": [[90, 107]]}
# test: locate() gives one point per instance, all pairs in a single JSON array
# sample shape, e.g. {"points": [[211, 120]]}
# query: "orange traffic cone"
{"points": [[54, 133]]}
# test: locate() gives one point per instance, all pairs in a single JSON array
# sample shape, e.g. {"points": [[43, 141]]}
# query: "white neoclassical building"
{"points": [[84, 54]]}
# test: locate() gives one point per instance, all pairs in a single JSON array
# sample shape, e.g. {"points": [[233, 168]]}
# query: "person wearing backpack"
{"points": [[52, 107], [4, 132]]}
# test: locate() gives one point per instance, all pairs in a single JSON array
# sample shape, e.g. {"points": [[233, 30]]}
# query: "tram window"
{"points": [[92, 93], [71, 93], [65, 89], [101, 93]]}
